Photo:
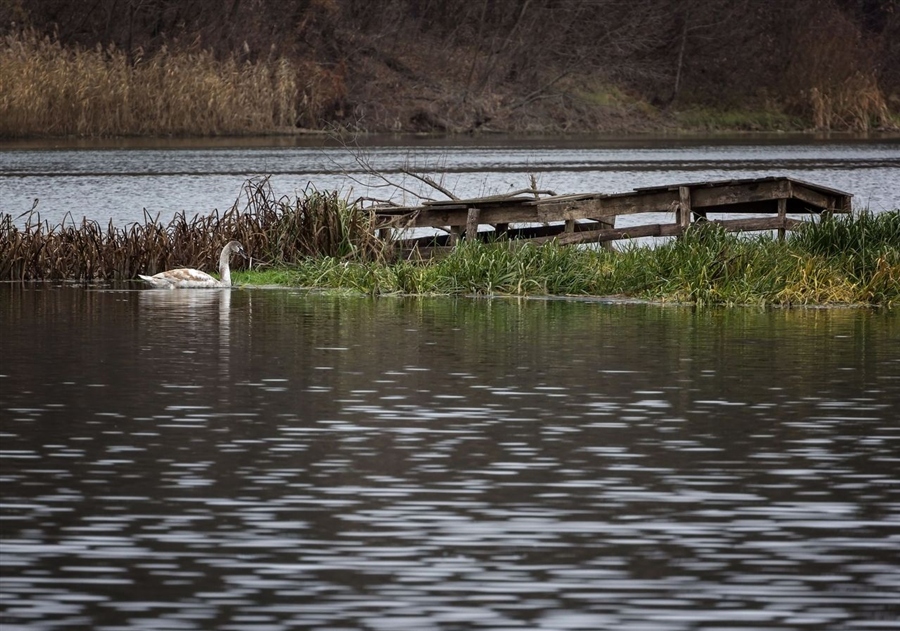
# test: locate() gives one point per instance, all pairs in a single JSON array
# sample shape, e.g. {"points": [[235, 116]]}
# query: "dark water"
{"points": [[118, 180], [270, 459]]}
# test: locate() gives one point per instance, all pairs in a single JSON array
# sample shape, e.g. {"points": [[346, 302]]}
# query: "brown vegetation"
{"points": [[273, 231], [54, 90], [206, 67]]}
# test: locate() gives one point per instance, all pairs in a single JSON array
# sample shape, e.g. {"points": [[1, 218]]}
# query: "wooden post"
{"points": [[684, 208], [570, 226], [472, 224], [607, 222], [782, 217], [454, 235]]}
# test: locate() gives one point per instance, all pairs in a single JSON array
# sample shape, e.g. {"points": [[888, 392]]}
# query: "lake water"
{"points": [[118, 180], [273, 459]]}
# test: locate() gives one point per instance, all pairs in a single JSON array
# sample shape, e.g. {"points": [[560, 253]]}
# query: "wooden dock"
{"points": [[540, 216]]}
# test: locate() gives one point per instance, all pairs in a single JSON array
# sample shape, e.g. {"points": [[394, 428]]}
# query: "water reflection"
{"points": [[271, 460]]}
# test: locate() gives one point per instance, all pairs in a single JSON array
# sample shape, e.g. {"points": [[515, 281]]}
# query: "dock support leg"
{"points": [[472, 224], [684, 207], [782, 217], [607, 222]]}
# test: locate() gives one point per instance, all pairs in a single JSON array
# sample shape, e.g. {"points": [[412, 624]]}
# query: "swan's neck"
{"points": [[224, 269]]}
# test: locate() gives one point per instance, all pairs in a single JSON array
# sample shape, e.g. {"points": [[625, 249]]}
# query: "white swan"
{"points": [[187, 278]]}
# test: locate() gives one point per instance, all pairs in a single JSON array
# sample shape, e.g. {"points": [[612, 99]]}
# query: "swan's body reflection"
{"points": [[199, 317]]}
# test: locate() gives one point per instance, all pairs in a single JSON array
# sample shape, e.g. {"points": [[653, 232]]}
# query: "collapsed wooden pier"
{"points": [[541, 216]]}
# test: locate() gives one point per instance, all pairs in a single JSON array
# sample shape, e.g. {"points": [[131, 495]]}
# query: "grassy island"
{"points": [[843, 261]]}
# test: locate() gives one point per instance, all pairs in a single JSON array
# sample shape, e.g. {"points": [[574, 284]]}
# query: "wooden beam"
{"points": [[822, 201], [727, 194], [620, 204]]}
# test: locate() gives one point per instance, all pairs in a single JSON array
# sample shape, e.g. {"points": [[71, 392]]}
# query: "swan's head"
{"points": [[236, 247]]}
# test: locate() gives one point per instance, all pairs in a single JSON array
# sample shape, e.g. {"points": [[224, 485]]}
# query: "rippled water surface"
{"points": [[272, 459], [119, 181]]}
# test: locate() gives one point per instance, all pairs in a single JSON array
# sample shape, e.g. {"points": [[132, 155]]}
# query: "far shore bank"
{"points": [[55, 91]]}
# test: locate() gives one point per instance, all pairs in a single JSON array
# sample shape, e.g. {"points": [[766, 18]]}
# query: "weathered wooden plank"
{"points": [[742, 181], [710, 197], [611, 205], [711, 183], [428, 218], [593, 236], [821, 200], [753, 224], [818, 187]]}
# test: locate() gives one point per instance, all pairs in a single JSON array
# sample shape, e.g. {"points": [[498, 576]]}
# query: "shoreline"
{"points": [[611, 299], [327, 138]]}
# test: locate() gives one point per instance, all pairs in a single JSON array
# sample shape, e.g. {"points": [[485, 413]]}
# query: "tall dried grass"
{"points": [[274, 231], [832, 75], [46, 89], [855, 103]]}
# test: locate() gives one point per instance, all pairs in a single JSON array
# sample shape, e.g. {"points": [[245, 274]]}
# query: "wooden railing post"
{"points": [[782, 217], [684, 208], [605, 223], [472, 224]]}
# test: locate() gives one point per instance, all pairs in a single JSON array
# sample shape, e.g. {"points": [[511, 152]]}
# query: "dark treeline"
{"points": [[436, 64]]}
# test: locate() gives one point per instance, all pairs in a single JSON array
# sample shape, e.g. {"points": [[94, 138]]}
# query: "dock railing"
{"points": [[761, 204]]}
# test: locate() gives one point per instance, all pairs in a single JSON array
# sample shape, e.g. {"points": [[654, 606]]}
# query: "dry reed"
{"points": [[48, 89], [273, 231], [856, 103], [833, 76]]}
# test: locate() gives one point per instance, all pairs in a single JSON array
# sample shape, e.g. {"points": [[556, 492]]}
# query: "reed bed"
{"points": [[48, 89], [274, 231]]}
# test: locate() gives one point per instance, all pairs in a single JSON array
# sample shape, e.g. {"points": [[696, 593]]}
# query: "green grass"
{"points": [[709, 119], [852, 260]]}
